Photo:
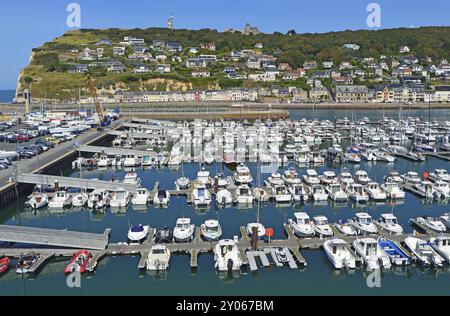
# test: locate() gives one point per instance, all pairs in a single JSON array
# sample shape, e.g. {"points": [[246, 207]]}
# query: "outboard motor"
{"points": [[230, 265], [380, 263]]}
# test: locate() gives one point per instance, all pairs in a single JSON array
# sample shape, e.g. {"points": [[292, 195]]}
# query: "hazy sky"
{"points": [[26, 24]]}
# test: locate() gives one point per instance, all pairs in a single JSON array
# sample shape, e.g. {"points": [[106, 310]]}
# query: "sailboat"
{"points": [[260, 227]]}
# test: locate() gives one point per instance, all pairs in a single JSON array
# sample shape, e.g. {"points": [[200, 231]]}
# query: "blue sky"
{"points": [[26, 24]]}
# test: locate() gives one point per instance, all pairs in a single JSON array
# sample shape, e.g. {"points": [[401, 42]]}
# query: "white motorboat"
{"points": [[119, 198], [98, 199], [441, 245], [158, 258], [37, 201], [336, 193], [411, 177], [211, 230], [222, 181], [321, 226], [132, 178], [274, 180], [224, 197], [290, 177], [445, 219], [363, 223], [184, 230], [393, 190], [259, 226], [369, 155], [227, 256], [131, 161], [362, 177], [315, 158], [435, 224], [242, 175], [162, 198], [338, 252], [328, 178], [346, 179], [137, 233], [393, 177], [352, 157], [311, 178], [201, 196], [345, 227], [389, 223], [104, 161], [204, 179], [261, 195], [425, 189], [302, 156], [141, 197], [80, 199], [301, 225], [318, 193], [371, 253], [441, 189], [439, 175], [182, 183], [356, 192], [60, 200], [244, 194], [383, 156], [298, 192], [375, 192], [423, 252], [281, 194]]}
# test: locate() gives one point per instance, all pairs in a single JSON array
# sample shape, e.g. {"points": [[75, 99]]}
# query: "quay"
{"points": [[262, 254], [110, 151], [86, 184]]}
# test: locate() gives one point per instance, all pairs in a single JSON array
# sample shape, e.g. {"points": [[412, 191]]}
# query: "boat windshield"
{"points": [[391, 221], [158, 251], [322, 222], [213, 229], [365, 220], [304, 221], [371, 250]]}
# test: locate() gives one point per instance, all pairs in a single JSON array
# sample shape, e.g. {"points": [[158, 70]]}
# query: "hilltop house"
{"points": [[141, 68], [208, 46], [352, 46], [201, 73], [80, 68], [115, 66], [118, 51], [104, 41], [308, 65], [87, 55], [174, 47], [195, 63], [163, 68]]}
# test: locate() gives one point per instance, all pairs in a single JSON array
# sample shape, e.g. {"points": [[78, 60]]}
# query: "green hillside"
{"points": [[49, 76]]}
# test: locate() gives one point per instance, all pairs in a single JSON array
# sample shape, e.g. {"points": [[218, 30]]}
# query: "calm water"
{"points": [[7, 96], [119, 275]]}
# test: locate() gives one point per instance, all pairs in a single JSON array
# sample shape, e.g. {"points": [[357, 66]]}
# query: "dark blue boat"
{"points": [[397, 255]]}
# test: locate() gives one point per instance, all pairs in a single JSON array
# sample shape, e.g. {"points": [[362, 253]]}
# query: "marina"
{"points": [[285, 256]]}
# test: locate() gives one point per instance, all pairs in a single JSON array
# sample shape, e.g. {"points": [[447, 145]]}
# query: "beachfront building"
{"points": [[351, 93]]}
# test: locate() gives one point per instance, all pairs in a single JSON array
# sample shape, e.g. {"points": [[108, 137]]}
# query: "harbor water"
{"points": [[120, 275]]}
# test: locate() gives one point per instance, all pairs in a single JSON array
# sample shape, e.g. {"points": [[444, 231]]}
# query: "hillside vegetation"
{"points": [[48, 72]]}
